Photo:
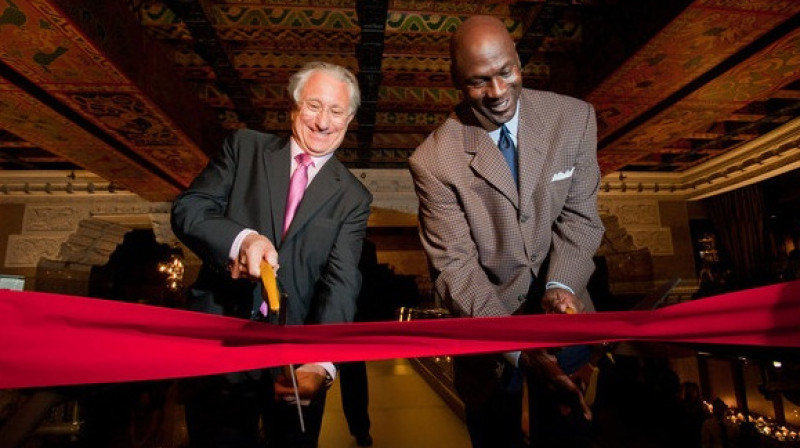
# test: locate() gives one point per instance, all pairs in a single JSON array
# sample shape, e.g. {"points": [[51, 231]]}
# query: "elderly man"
{"points": [[291, 203], [508, 213]]}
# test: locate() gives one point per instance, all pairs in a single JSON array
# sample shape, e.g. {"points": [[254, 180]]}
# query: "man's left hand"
{"points": [[561, 301], [544, 365], [309, 383]]}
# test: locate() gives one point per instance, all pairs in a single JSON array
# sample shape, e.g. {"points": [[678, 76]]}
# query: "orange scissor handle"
{"points": [[270, 285]]}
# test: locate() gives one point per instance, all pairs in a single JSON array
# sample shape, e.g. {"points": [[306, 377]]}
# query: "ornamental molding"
{"points": [[759, 159], [22, 186]]}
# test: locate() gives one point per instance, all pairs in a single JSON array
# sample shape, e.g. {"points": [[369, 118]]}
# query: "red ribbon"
{"points": [[51, 339]]}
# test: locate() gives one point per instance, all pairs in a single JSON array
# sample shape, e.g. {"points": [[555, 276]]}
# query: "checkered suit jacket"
{"points": [[486, 239]]}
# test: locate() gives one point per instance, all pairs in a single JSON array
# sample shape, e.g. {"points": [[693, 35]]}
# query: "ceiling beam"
{"points": [[210, 47], [372, 16], [537, 21]]}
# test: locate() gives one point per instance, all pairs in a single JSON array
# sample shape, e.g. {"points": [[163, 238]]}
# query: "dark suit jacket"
{"points": [[485, 238], [245, 186]]}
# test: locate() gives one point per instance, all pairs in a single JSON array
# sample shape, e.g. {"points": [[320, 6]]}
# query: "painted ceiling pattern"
{"points": [[140, 92]]}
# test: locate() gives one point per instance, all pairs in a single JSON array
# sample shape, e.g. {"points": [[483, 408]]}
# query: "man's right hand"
{"points": [[541, 363], [253, 250]]}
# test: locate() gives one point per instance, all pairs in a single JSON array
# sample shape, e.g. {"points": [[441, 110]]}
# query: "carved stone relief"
{"points": [[658, 240], [24, 251], [391, 189], [139, 207], [93, 243], [162, 228], [638, 212], [632, 224], [616, 238], [53, 218], [66, 232]]}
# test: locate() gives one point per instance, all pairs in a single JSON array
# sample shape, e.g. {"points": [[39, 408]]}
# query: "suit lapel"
{"points": [[532, 150], [488, 162], [277, 163]]}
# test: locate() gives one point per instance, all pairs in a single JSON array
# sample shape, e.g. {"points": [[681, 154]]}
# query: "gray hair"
{"points": [[299, 79]]}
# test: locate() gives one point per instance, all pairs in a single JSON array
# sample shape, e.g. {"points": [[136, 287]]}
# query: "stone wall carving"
{"points": [[616, 238], [136, 207], [79, 230], [658, 240], [639, 220], [636, 212], [53, 217], [163, 229], [391, 189], [92, 243], [24, 251]]}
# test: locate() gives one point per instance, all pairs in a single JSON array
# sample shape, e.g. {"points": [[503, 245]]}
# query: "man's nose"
{"points": [[497, 87], [323, 119]]}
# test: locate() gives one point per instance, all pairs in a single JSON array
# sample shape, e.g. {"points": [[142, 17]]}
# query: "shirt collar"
{"points": [[318, 160], [512, 125]]}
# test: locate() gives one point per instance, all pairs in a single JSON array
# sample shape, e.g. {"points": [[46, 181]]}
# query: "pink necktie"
{"points": [[297, 186]]}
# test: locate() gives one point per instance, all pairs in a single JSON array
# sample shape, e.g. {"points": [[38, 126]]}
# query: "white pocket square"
{"points": [[563, 175]]}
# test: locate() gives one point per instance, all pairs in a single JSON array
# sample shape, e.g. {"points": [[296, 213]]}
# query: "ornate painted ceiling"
{"points": [[140, 92]]}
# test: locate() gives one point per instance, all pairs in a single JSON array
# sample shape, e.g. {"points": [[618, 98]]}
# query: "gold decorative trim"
{"points": [[762, 158]]}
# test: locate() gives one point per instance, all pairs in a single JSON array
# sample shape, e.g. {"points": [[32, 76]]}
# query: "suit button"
{"points": [[521, 298], [523, 218], [533, 258]]}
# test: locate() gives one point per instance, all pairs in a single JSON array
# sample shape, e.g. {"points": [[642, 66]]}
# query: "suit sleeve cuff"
{"points": [[322, 368], [551, 285], [512, 357], [237, 243]]}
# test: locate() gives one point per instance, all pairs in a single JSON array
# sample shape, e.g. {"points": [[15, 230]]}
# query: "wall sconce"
{"points": [[173, 269]]}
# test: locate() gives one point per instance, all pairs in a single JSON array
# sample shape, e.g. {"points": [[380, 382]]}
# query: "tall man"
{"points": [[507, 189], [238, 213]]}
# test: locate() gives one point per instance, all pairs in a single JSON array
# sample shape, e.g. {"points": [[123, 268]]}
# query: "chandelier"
{"points": [[173, 269]]}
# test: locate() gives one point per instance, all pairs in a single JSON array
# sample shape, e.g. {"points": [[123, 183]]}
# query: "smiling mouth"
{"points": [[500, 107]]}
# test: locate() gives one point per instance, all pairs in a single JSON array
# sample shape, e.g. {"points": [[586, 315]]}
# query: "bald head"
{"points": [[486, 68], [477, 35]]}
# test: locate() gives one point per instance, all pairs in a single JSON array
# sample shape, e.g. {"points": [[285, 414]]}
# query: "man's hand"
{"points": [[309, 384], [253, 250], [543, 364], [583, 376], [561, 301]]}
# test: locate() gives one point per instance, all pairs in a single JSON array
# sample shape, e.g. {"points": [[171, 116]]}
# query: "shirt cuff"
{"points": [[321, 368], [551, 285], [237, 243], [512, 357]]}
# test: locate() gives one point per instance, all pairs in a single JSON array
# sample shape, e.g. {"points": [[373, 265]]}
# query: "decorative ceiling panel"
{"points": [[42, 127], [67, 76], [697, 41]]}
